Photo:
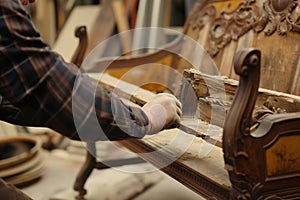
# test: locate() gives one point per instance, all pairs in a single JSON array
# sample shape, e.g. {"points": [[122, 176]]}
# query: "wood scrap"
{"points": [[268, 101]]}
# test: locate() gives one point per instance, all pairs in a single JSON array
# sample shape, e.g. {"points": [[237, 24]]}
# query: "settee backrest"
{"points": [[272, 26]]}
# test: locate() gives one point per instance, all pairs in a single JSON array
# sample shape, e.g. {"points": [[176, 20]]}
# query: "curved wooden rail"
{"points": [[78, 56], [264, 163]]}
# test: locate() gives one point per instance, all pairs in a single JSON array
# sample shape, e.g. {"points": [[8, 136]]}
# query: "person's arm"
{"points": [[40, 83]]}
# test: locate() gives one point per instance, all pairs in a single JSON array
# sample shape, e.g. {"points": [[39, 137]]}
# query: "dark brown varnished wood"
{"points": [[78, 56], [251, 157], [191, 178]]}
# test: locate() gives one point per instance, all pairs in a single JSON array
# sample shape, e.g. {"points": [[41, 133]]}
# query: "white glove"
{"points": [[163, 112]]}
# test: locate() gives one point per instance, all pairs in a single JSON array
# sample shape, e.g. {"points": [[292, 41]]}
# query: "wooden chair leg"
{"points": [[85, 171], [91, 163]]}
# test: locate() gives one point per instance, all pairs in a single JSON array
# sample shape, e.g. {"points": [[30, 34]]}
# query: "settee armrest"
{"points": [[171, 48], [264, 163]]}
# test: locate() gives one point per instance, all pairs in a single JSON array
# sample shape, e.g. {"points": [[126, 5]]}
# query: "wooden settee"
{"points": [[255, 45]]}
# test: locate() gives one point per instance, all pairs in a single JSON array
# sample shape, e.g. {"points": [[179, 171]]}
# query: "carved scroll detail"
{"points": [[209, 11], [271, 16], [238, 123], [281, 16], [231, 26]]}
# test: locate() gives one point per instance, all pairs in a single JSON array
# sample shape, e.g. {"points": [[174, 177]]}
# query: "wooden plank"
{"points": [[275, 101], [156, 38], [167, 13], [203, 61], [278, 68], [226, 66], [199, 81], [204, 175], [66, 42], [45, 20], [204, 32], [142, 20], [97, 33], [296, 82], [123, 26], [123, 89]]}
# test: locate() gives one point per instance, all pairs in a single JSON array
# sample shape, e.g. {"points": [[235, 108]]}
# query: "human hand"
{"points": [[164, 111], [25, 2]]}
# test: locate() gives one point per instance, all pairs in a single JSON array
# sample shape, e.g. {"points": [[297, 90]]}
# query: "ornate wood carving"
{"points": [[270, 16], [238, 123], [264, 163], [279, 15], [267, 102], [229, 26]]}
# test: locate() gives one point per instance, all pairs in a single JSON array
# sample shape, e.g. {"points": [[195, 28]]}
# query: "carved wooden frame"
{"points": [[274, 15], [246, 153]]}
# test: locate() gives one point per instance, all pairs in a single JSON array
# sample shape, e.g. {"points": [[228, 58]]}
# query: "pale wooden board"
{"points": [[195, 153], [124, 89], [227, 59], [296, 82], [66, 42], [279, 60], [44, 19], [7, 129]]}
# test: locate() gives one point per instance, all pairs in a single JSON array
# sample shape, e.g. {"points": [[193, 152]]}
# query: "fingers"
{"points": [[176, 119], [164, 111], [178, 104], [179, 111], [174, 123], [179, 108]]}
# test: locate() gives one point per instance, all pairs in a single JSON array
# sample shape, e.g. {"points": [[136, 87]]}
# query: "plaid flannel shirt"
{"points": [[37, 87]]}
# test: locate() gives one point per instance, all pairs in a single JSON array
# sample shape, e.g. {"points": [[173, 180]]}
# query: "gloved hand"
{"points": [[25, 2], [164, 111]]}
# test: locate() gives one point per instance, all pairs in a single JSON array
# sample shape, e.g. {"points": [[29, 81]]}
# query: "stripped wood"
{"points": [[280, 56], [268, 101], [226, 66], [140, 96], [296, 82]]}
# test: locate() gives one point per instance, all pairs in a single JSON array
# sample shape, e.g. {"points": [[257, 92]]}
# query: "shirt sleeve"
{"points": [[41, 89]]}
